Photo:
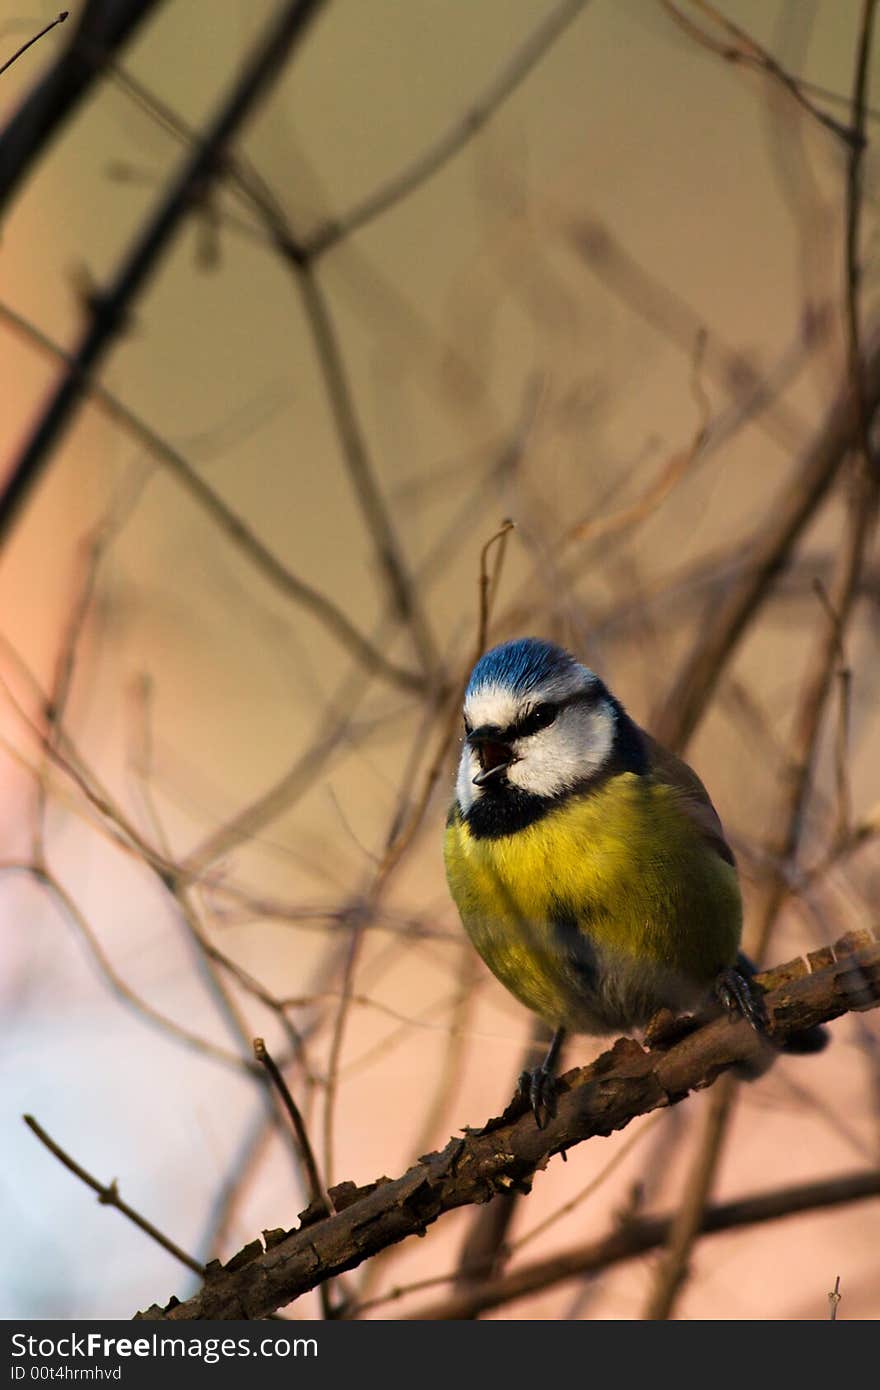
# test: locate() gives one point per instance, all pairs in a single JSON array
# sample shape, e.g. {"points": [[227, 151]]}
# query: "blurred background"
{"points": [[567, 265]]}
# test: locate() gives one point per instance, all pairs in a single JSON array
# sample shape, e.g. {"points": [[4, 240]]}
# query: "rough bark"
{"points": [[505, 1154]]}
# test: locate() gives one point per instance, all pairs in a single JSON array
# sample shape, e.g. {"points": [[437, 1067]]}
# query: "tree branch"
{"points": [[113, 305], [506, 1153], [59, 19], [448, 145], [768, 555], [108, 1196], [636, 1237], [104, 27]]}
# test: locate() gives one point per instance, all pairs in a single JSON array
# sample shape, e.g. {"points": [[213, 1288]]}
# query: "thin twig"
{"points": [[405, 598], [488, 583], [841, 832], [25, 46], [767, 555], [671, 474], [408, 180], [95, 547], [853, 223], [65, 755], [317, 1191], [100, 30], [108, 1196], [834, 1298], [252, 1148], [749, 52], [275, 230], [361, 915], [207, 956], [638, 1237], [719, 569], [319, 1198], [429, 163], [279, 798], [118, 986], [665, 310], [230, 524], [689, 1220], [111, 308], [592, 1187], [253, 986], [487, 588]]}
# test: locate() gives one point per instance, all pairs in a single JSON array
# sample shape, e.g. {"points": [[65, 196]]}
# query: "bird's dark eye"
{"points": [[536, 719]]}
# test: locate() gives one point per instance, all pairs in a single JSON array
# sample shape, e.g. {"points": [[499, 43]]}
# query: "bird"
{"points": [[587, 862]]}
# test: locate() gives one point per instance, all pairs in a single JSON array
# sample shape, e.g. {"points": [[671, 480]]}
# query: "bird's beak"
{"points": [[495, 756]]}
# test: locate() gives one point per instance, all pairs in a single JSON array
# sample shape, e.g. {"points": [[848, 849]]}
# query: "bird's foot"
{"points": [[538, 1085], [735, 993]]}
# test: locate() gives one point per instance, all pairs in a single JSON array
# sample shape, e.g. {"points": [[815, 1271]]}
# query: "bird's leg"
{"points": [[734, 990], [539, 1083]]}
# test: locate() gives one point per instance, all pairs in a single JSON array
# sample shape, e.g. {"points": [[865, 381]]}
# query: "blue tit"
{"points": [[587, 862]]}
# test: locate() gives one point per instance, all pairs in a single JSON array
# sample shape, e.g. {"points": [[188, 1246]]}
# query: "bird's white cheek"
{"points": [[576, 747], [542, 769], [468, 768]]}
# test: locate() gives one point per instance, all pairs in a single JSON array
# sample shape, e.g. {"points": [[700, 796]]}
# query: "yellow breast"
{"points": [[608, 907]]}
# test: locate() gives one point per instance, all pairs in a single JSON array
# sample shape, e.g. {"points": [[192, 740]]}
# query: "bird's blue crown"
{"points": [[522, 665]]}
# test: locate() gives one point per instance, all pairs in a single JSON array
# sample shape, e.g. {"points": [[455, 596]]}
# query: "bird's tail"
{"points": [[814, 1039]]}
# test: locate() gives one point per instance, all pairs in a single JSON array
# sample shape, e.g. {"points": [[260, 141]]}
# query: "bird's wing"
{"points": [[695, 799]]}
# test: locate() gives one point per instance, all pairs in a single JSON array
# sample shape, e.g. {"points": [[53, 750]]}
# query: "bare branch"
{"points": [[113, 305], [109, 1196], [745, 50], [597, 246], [426, 165], [689, 1220], [233, 526], [853, 221], [841, 833], [767, 555], [405, 598], [506, 1153], [317, 1191], [119, 987], [25, 46], [319, 1198], [489, 582], [637, 1237], [104, 27], [671, 474]]}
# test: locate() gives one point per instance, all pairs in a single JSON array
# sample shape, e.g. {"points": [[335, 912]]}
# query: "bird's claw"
{"points": [[538, 1085], [736, 995]]}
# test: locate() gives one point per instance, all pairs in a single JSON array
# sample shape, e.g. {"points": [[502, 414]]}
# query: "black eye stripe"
{"points": [[526, 726], [535, 720], [541, 717]]}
